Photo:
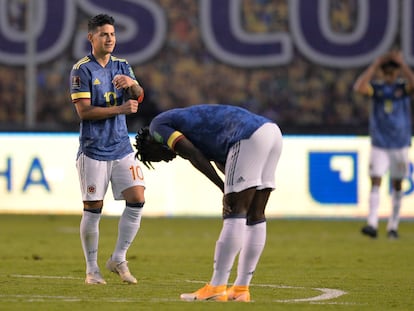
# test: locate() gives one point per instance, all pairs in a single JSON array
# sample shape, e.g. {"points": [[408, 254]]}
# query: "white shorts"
{"points": [[95, 175], [395, 160], [252, 162]]}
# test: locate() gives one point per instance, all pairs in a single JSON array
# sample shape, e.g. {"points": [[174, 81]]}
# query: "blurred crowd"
{"points": [[302, 97]]}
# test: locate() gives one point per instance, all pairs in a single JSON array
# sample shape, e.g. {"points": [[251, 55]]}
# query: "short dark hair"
{"points": [[390, 64], [100, 20]]}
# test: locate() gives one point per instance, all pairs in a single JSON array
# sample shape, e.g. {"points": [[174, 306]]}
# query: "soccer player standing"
{"points": [[390, 132], [104, 90], [244, 146]]}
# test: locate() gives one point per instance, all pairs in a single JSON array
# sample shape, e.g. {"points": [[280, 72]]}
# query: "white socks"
{"points": [[228, 246], [128, 227], [394, 219], [374, 198], [89, 234], [252, 248], [237, 237]]}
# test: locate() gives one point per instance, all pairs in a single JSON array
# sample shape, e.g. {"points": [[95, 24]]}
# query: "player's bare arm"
{"points": [[362, 85], [220, 166], [88, 112], [133, 88], [187, 150], [405, 69]]}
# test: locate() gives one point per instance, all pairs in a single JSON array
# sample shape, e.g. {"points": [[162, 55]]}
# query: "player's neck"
{"points": [[102, 59]]}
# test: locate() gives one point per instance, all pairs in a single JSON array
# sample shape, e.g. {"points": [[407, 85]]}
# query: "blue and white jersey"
{"points": [[105, 139], [390, 119], [213, 129]]}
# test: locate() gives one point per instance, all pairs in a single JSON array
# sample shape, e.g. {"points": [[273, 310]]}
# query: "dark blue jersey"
{"points": [[213, 129], [390, 119], [105, 139]]}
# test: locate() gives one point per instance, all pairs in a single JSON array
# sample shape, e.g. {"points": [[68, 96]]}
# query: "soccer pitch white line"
{"points": [[51, 298], [326, 293], [29, 276]]}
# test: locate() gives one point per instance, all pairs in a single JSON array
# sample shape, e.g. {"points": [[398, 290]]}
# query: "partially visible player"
{"points": [[390, 131], [246, 147], [104, 90]]}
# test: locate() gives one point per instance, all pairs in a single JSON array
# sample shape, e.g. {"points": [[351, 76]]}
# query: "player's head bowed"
{"points": [[149, 150]]}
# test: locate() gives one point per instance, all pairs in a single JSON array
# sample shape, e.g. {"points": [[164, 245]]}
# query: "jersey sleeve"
{"points": [[80, 86], [129, 71], [163, 132]]}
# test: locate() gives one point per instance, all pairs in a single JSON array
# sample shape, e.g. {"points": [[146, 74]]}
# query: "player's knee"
{"points": [[135, 204], [234, 211], [397, 184], [136, 199], [134, 194], [255, 216], [254, 221], [376, 181], [92, 205]]}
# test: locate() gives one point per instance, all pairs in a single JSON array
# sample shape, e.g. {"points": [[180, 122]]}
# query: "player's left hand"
{"points": [[122, 82]]}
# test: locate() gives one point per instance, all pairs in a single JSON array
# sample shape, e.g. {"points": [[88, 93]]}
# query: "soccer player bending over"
{"points": [[244, 146]]}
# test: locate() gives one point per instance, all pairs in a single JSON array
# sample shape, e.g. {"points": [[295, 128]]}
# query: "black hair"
{"points": [[100, 20], [389, 64], [149, 150]]}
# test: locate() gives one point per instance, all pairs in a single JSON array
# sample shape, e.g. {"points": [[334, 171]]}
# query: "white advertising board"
{"points": [[317, 176]]}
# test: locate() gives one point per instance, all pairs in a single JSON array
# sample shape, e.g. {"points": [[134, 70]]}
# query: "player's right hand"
{"points": [[130, 106]]}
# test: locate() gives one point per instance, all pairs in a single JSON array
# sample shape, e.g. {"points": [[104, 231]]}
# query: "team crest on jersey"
{"points": [[76, 82], [91, 189]]}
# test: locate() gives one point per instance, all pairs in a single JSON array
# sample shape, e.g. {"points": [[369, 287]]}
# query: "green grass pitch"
{"points": [[306, 265]]}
